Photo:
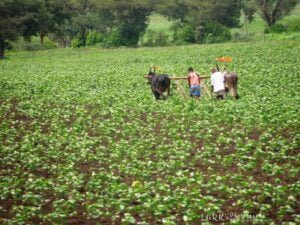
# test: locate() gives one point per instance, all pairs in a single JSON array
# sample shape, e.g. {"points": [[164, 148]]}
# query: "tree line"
{"points": [[122, 22]]}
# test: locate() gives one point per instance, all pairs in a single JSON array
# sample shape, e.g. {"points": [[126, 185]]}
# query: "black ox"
{"points": [[159, 84]]}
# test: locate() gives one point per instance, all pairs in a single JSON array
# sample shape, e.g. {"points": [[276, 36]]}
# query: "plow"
{"points": [[182, 90], [180, 87], [177, 79]]}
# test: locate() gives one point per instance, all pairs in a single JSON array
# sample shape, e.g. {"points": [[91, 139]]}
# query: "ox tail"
{"points": [[235, 81], [235, 86]]}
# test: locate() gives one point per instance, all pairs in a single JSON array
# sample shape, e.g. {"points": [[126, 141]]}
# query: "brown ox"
{"points": [[231, 84]]}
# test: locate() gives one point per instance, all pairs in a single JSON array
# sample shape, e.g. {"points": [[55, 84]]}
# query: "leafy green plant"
{"points": [[155, 38], [82, 138], [212, 32], [76, 43], [293, 26], [94, 38], [276, 28], [183, 33]]}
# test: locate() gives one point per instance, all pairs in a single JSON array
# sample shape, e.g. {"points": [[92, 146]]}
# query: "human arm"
{"points": [[189, 80], [212, 83]]}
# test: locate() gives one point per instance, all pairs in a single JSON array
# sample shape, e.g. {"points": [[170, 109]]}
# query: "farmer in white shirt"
{"points": [[217, 83]]}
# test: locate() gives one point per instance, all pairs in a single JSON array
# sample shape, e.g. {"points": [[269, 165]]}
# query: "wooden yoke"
{"points": [[180, 78], [181, 89], [185, 78]]}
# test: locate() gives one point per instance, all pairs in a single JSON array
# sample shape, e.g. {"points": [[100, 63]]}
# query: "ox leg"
{"points": [[165, 96], [161, 94], [156, 94], [232, 92], [235, 94], [227, 91], [168, 91]]}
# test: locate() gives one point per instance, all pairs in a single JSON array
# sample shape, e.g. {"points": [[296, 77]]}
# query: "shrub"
{"points": [[94, 38], [212, 32], [155, 38], [161, 38], [280, 37], [102, 45], [49, 44], [114, 39], [276, 28], [293, 26], [238, 36], [8, 45], [33, 45], [77, 43], [184, 33]]}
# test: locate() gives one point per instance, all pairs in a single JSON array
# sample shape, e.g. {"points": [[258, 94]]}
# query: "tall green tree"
{"points": [[129, 19], [173, 9], [249, 9], [274, 10], [50, 15], [123, 22], [226, 12], [84, 18], [15, 17], [195, 12]]}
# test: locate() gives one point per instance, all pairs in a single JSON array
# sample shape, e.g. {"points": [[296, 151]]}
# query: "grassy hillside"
{"points": [[159, 23], [295, 15], [255, 28], [84, 142]]}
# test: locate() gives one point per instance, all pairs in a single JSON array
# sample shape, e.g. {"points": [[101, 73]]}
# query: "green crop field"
{"points": [[84, 142]]}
